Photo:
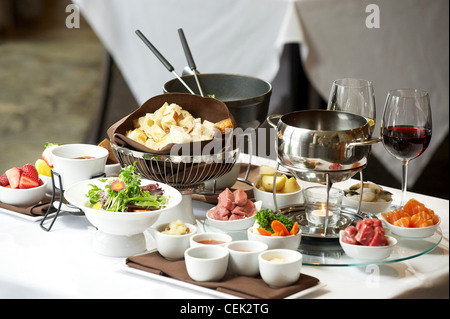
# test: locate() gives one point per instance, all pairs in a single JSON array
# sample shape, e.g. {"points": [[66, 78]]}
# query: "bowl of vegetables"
{"points": [[275, 230], [122, 208]]}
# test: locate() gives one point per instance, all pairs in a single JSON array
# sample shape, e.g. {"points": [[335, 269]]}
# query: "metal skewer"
{"points": [[190, 59], [162, 59]]}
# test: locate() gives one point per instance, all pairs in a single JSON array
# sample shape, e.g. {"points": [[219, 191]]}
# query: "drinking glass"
{"points": [[354, 96], [406, 127]]}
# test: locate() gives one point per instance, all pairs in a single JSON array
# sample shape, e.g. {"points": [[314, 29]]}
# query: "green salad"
{"points": [[125, 194]]}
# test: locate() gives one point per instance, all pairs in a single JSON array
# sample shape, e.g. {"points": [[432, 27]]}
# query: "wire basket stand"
{"points": [[186, 173]]}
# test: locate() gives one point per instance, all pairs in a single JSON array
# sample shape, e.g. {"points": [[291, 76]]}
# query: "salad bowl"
{"points": [[119, 234]]}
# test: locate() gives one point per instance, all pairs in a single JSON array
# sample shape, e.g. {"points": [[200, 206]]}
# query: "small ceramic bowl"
{"points": [[283, 199], [231, 225], [23, 197], [370, 253], [367, 207], [410, 232], [172, 247], [244, 257], [280, 267], [209, 239], [207, 262], [276, 242]]}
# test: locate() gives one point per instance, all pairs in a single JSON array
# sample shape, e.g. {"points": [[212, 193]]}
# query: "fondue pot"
{"points": [[322, 146]]}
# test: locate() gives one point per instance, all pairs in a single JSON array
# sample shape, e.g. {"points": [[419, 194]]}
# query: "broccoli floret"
{"points": [[265, 217]]}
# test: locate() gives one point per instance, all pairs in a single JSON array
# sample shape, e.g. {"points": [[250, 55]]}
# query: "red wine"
{"points": [[406, 142]]}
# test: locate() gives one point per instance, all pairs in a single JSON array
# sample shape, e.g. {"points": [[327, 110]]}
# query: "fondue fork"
{"points": [[162, 59]]}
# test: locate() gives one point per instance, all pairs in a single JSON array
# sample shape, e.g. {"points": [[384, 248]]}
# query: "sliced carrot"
{"points": [[278, 227], [264, 232], [294, 229]]}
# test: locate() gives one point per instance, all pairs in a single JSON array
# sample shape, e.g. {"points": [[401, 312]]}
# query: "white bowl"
{"points": [[367, 207], [119, 233], [22, 197], [371, 253], [221, 238], [238, 224], [276, 242], [244, 256], [283, 199], [410, 232], [280, 274], [172, 247], [67, 162], [207, 262]]}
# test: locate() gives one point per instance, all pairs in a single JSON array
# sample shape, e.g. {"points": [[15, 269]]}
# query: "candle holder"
{"points": [[316, 205]]}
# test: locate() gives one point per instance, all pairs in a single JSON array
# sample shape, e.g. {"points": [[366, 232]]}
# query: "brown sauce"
{"points": [[84, 157], [210, 242]]}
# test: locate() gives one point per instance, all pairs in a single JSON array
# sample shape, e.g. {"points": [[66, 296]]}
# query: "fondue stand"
{"points": [[323, 147]]}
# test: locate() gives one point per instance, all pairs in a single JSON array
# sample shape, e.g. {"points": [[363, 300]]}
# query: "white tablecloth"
{"points": [[410, 49], [62, 264]]}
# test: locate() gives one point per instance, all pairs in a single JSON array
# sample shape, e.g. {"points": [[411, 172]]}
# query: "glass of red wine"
{"points": [[406, 127]]}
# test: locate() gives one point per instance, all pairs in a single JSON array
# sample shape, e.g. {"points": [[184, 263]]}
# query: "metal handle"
{"points": [[186, 49], [273, 116], [155, 51], [370, 141]]}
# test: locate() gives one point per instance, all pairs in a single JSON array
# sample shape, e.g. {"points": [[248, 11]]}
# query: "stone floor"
{"points": [[50, 85], [49, 89]]}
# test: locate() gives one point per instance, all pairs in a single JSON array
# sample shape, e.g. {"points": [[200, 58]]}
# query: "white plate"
{"points": [[210, 291]]}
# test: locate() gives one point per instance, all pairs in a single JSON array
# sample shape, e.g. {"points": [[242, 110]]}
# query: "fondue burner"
{"points": [[324, 147]]}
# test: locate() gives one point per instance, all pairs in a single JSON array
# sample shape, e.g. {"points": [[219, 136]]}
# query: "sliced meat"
{"points": [[349, 235], [378, 239], [249, 208], [226, 199], [238, 210], [236, 217], [365, 234], [240, 197]]}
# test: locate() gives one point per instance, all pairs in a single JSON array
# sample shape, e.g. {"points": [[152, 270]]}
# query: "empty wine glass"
{"points": [[406, 127], [354, 96]]}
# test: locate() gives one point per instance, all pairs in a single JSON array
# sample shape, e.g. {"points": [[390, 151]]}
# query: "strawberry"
{"points": [[30, 171], [13, 175], [27, 182], [47, 154], [4, 180]]}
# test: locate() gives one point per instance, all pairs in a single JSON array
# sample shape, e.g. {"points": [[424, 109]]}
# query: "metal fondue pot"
{"points": [[322, 146]]}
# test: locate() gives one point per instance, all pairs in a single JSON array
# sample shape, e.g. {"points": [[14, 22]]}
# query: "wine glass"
{"points": [[354, 96], [406, 127]]}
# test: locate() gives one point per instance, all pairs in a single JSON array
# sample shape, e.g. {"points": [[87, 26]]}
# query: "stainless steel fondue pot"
{"points": [[322, 146]]}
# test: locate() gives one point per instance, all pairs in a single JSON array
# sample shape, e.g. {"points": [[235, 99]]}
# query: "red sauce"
{"points": [[210, 242], [84, 157]]}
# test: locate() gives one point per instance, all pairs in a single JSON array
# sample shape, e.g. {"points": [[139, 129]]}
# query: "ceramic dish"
{"points": [[232, 225], [23, 197], [410, 232], [119, 233], [277, 242], [367, 207], [372, 253]]}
